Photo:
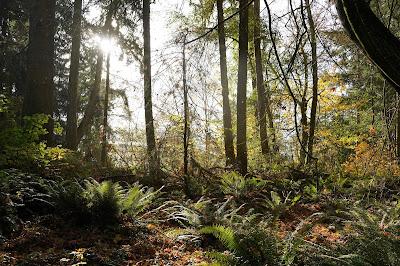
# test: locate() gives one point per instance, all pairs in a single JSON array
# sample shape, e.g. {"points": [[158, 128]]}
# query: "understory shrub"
{"points": [[21, 146]]}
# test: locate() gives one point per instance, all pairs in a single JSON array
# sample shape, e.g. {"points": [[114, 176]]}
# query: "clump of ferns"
{"points": [[28, 193], [205, 212], [278, 205], [372, 240], [69, 201], [240, 187], [192, 216], [102, 203], [253, 245]]}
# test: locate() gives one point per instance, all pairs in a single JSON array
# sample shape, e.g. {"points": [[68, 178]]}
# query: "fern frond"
{"points": [[224, 234]]}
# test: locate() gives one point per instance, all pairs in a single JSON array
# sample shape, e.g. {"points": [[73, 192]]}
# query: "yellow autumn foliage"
{"points": [[372, 161]]}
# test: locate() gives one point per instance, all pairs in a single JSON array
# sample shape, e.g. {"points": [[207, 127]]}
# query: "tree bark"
{"points": [[39, 97], [314, 67], [227, 115], [261, 96], [72, 110], [372, 36], [241, 142], [398, 130], [303, 110], [270, 114], [154, 164], [185, 121], [105, 115]]}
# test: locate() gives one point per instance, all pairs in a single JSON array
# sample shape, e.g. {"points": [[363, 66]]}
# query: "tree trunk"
{"points": [[398, 130], [241, 144], [270, 114], [154, 164], [93, 102], [105, 115], [227, 115], [39, 97], [185, 120], [261, 96], [372, 36], [92, 106], [72, 109], [303, 110], [314, 67]]}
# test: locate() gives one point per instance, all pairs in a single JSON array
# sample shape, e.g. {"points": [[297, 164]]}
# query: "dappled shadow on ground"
{"points": [[50, 241]]}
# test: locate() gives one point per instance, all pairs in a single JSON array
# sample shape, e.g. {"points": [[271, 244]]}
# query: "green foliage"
{"points": [[21, 195], [70, 202], [205, 212], [252, 246], [279, 205], [137, 199], [21, 146], [234, 184], [376, 240], [104, 200], [98, 203]]}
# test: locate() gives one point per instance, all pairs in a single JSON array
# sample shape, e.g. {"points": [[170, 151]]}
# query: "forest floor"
{"points": [[49, 240], [267, 216]]}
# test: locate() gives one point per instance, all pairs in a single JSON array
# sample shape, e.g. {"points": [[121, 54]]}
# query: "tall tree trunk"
{"points": [[93, 104], [185, 120], [372, 36], [227, 115], [72, 109], [261, 96], [241, 142], [105, 114], [270, 114], [303, 110], [186, 128], [39, 97], [398, 129], [154, 165], [314, 67]]}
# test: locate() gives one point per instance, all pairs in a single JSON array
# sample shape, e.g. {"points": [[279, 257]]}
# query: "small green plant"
{"points": [[280, 205], [137, 199], [311, 192], [69, 201], [234, 184], [8, 217], [206, 212], [104, 200], [252, 246]]}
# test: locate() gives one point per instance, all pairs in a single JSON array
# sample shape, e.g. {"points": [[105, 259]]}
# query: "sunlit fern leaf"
{"points": [[225, 235]]}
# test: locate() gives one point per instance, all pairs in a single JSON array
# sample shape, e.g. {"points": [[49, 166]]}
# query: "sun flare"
{"points": [[107, 45]]}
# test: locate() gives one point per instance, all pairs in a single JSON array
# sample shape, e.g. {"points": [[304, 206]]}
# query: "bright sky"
{"points": [[128, 77]]}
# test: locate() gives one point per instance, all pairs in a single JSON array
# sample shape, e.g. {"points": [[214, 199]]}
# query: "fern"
{"points": [[253, 246], [103, 200], [224, 234], [69, 201], [138, 199]]}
